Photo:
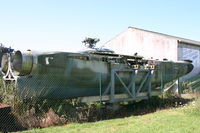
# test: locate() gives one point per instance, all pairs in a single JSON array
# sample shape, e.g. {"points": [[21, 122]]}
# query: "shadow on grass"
{"points": [[142, 107]]}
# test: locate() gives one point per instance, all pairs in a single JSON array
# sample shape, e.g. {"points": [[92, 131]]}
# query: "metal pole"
{"points": [[100, 94], [112, 89], [149, 82], [100, 88], [161, 72], [133, 76], [179, 87]]}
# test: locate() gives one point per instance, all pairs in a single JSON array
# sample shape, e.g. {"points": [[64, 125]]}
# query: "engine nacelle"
{"points": [[22, 63], [4, 63]]}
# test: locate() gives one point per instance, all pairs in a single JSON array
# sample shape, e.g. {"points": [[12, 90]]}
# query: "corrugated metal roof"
{"points": [[179, 39]]}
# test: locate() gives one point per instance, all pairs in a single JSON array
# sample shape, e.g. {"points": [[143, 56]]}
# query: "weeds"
{"points": [[8, 93], [33, 112], [191, 85]]}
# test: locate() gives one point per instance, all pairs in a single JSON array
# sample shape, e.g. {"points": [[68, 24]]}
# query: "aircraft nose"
{"points": [[190, 68]]}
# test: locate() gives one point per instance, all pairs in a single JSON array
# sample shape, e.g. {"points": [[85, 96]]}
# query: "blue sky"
{"points": [[61, 25]]}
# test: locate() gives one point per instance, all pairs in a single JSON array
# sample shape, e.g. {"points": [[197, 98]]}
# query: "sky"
{"points": [[61, 25]]}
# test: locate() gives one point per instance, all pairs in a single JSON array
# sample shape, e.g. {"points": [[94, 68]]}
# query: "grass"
{"points": [[192, 84], [184, 119]]}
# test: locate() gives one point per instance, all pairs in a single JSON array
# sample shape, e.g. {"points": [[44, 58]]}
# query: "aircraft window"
{"points": [[48, 60]]}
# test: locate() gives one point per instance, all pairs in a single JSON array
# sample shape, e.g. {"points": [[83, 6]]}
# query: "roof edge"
{"points": [[180, 39]]}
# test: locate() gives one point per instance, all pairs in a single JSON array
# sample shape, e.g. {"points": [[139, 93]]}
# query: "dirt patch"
{"points": [[3, 106], [8, 121], [31, 119], [190, 96]]}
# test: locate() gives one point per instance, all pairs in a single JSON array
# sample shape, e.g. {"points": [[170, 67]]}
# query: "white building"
{"points": [[157, 46]]}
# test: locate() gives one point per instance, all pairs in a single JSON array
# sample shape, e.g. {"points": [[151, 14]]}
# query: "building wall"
{"points": [[144, 43], [159, 46], [190, 52]]}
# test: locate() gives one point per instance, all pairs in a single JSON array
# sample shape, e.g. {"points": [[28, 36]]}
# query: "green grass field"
{"points": [[184, 119]]}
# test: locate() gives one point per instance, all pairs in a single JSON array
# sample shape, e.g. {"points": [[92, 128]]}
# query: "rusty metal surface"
{"points": [[4, 109]]}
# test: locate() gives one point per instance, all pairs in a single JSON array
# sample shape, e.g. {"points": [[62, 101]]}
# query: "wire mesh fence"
{"points": [[24, 105], [37, 101]]}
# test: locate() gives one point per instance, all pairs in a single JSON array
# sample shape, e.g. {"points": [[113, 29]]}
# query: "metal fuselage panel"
{"points": [[70, 75]]}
